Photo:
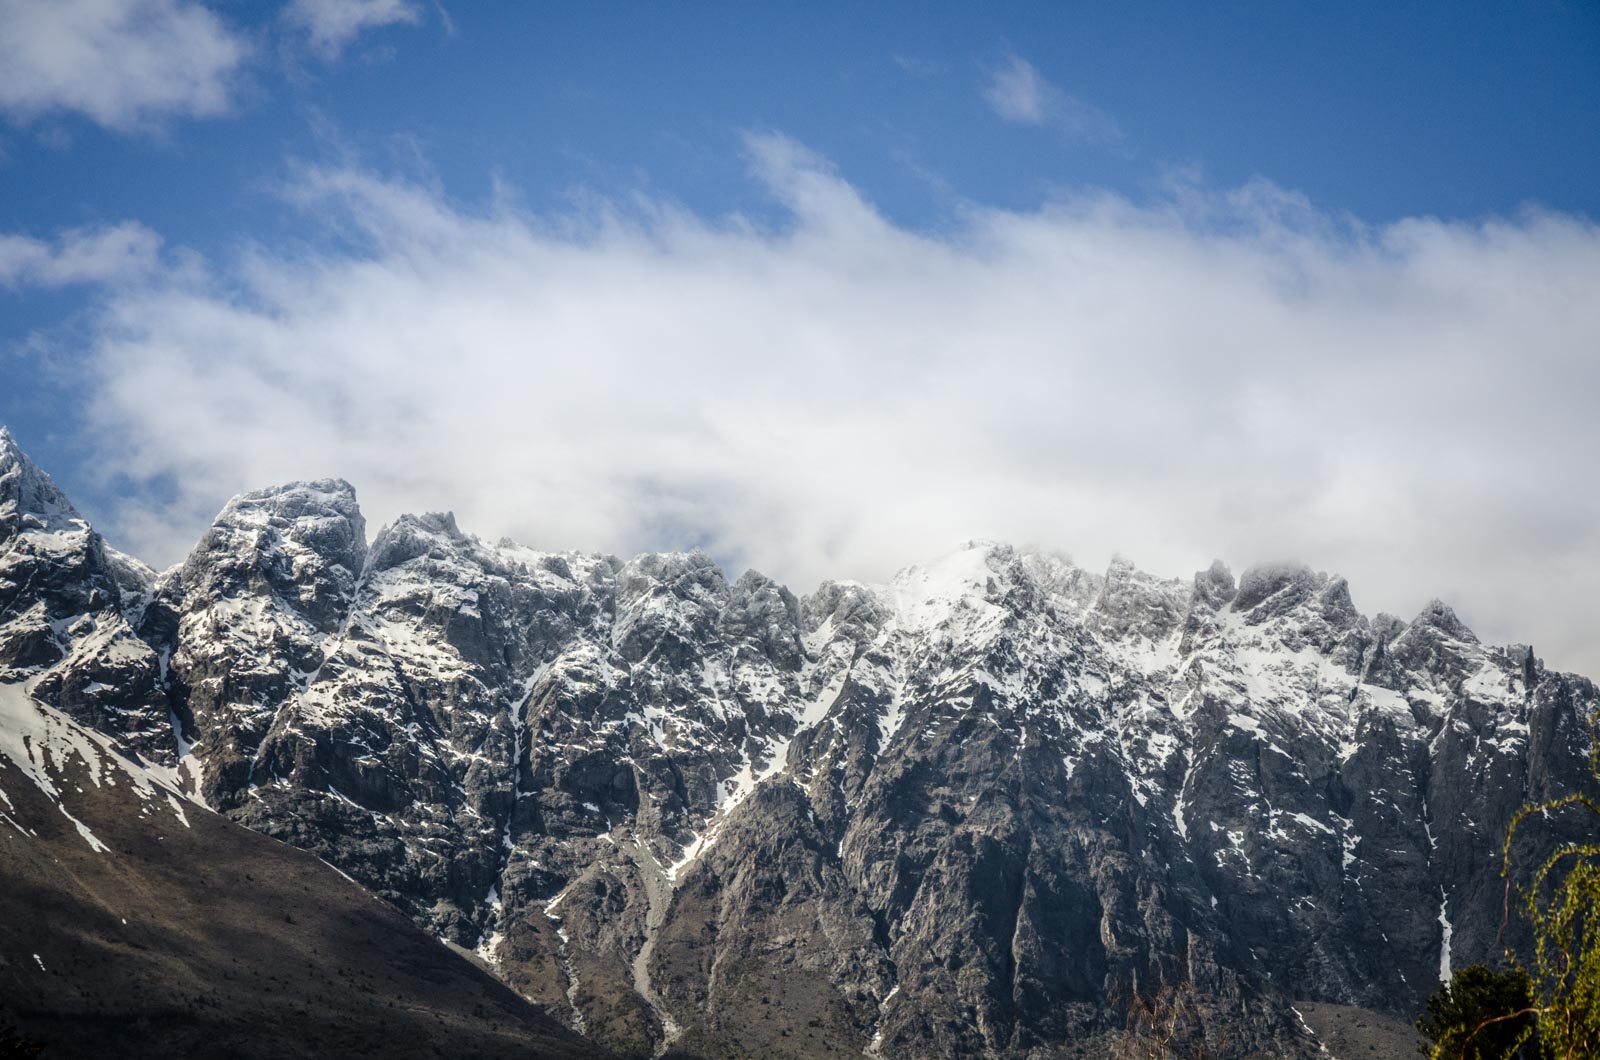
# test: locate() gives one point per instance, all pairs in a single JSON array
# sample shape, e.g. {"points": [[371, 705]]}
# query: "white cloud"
{"points": [[80, 255], [1018, 93], [1229, 374], [122, 63], [333, 24]]}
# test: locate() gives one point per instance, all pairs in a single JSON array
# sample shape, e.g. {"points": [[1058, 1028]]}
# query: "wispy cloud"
{"points": [[1019, 93], [1224, 373], [917, 65], [125, 64], [80, 255], [334, 24]]}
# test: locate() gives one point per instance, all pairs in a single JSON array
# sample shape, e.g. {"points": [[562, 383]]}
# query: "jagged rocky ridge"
{"points": [[975, 811]]}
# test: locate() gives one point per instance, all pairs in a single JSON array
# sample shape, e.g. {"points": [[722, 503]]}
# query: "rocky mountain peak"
{"points": [[961, 589], [1441, 617], [844, 608], [291, 500], [1288, 581], [764, 618], [442, 523], [668, 602], [320, 517], [66, 601], [412, 536], [684, 574], [1386, 627], [1335, 600], [1134, 602], [29, 498], [303, 540], [1215, 586]]}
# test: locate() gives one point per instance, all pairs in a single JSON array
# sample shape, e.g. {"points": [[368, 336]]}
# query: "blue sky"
{"points": [[1349, 229]]}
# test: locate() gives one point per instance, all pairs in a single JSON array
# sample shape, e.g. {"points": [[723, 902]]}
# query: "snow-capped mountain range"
{"points": [[979, 810]]}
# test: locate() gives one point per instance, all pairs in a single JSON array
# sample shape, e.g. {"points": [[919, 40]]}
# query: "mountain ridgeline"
{"points": [[990, 808]]}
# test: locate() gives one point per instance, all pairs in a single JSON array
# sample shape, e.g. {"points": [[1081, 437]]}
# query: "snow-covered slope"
{"points": [[56, 756]]}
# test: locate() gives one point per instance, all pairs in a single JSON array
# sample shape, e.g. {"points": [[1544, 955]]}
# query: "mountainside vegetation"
{"points": [[1545, 1003]]}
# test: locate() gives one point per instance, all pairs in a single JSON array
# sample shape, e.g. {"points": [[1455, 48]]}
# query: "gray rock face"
{"points": [[988, 808]]}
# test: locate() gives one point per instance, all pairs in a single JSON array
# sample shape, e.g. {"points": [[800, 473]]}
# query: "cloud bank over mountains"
{"points": [[1208, 373]]}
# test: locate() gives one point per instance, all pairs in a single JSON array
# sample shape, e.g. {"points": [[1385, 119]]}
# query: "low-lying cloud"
{"points": [[1233, 374]]}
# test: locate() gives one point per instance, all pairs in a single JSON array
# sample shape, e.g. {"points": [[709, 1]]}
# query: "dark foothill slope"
{"points": [[135, 924]]}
